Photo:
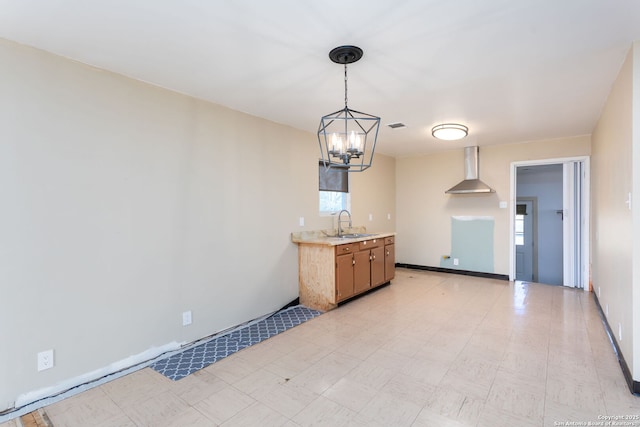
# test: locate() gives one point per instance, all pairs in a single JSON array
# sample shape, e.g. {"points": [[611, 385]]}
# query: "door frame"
{"points": [[568, 210]]}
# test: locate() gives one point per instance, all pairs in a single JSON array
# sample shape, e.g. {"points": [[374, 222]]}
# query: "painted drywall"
{"points": [[612, 180], [471, 244], [424, 210], [124, 204], [373, 193], [546, 187]]}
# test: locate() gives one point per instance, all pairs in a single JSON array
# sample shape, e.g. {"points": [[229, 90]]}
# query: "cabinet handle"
{"points": [[347, 249], [374, 257], [353, 262], [387, 253]]}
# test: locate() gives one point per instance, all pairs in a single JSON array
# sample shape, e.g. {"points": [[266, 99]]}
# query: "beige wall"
{"points": [[124, 205], [613, 247], [425, 211], [373, 192]]}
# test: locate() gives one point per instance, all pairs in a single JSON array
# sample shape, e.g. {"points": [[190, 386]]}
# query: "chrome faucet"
{"points": [[340, 221]]}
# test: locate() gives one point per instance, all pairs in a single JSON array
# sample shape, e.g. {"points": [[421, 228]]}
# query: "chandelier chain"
{"points": [[345, 85]]}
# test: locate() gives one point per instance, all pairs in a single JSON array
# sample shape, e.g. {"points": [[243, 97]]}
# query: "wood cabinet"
{"points": [[330, 274], [360, 267], [389, 258]]}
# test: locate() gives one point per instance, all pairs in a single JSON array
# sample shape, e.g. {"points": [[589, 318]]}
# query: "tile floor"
{"points": [[430, 350]]}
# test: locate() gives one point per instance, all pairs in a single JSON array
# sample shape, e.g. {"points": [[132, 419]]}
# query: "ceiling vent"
{"points": [[396, 125], [471, 183]]}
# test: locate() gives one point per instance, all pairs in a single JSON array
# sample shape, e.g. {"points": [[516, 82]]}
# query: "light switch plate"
{"points": [[186, 318]]}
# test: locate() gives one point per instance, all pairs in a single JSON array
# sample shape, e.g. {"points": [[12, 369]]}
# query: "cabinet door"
{"points": [[377, 266], [344, 277], [362, 271], [389, 262]]}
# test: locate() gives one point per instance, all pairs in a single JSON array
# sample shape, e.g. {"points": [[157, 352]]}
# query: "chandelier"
{"points": [[347, 137]]}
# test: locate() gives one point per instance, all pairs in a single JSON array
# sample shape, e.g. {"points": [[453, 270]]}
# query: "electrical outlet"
{"points": [[186, 318], [503, 205], [599, 292], [456, 261], [606, 309], [301, 221], [370, 217], [388, 216], [45, 360]]}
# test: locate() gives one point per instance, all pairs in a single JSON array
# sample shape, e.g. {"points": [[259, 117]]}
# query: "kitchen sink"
{"points": [[355, 235]]}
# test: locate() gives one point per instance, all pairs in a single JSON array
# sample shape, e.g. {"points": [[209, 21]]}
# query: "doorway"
{"points": [[565, 241], [526, 232]]}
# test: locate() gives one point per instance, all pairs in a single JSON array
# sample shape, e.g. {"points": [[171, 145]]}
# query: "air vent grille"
{"points": [[396, 125]]}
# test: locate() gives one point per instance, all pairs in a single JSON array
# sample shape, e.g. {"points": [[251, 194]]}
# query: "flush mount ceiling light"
{"points": [[450, 131], [347, 137]]}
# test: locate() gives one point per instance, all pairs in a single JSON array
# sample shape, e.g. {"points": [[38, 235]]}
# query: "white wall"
{"points": [[546, 186], [424, 210], [614, 162], [124, 205]]}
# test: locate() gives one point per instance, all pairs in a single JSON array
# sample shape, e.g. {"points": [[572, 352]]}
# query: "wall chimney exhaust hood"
{"points": [[471, 183]]}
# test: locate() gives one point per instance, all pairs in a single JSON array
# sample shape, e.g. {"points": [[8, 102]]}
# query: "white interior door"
{"points": [[575, 225]]}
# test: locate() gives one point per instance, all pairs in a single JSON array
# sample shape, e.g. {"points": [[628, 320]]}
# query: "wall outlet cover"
{"points": [[45, 360], [456, 261], [503, 205]]}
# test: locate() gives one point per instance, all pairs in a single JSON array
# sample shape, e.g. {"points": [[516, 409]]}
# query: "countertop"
{"points": [[328, 237]]}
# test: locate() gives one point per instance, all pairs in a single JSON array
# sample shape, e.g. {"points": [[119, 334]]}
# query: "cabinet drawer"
{"points": [[389, 240], [368, 244], [346, 249]]}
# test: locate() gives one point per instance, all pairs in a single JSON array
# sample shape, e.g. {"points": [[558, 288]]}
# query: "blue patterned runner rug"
{"points": [[202, 355]]}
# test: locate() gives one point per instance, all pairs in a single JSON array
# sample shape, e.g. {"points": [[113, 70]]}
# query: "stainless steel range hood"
{"points": [[471, 183]]}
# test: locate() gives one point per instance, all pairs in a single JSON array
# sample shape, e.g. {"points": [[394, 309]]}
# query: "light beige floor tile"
{"points": [[197, 386], [446, 402], [156, 410], [525, 364], [288, 399], [350, 394], [257, 415], [326, 372], [390, 410], [409, 389], [556, 413], [464, 351], [324, 412], [428, 418], [221, 406], [92, 406], [137, 386], [258, 381], [568, 391], [232, 368], [298, 360], [472, 376], [493, 417], [121, 421], [427, 370], [370, 375], [189, 417], [517, 395]]}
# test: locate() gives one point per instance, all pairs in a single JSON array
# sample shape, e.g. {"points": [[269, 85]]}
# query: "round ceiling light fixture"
{"points": [[450, 131]]}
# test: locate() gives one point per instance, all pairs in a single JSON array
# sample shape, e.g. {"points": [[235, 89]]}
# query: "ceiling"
{"points": [[512, 71]]}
